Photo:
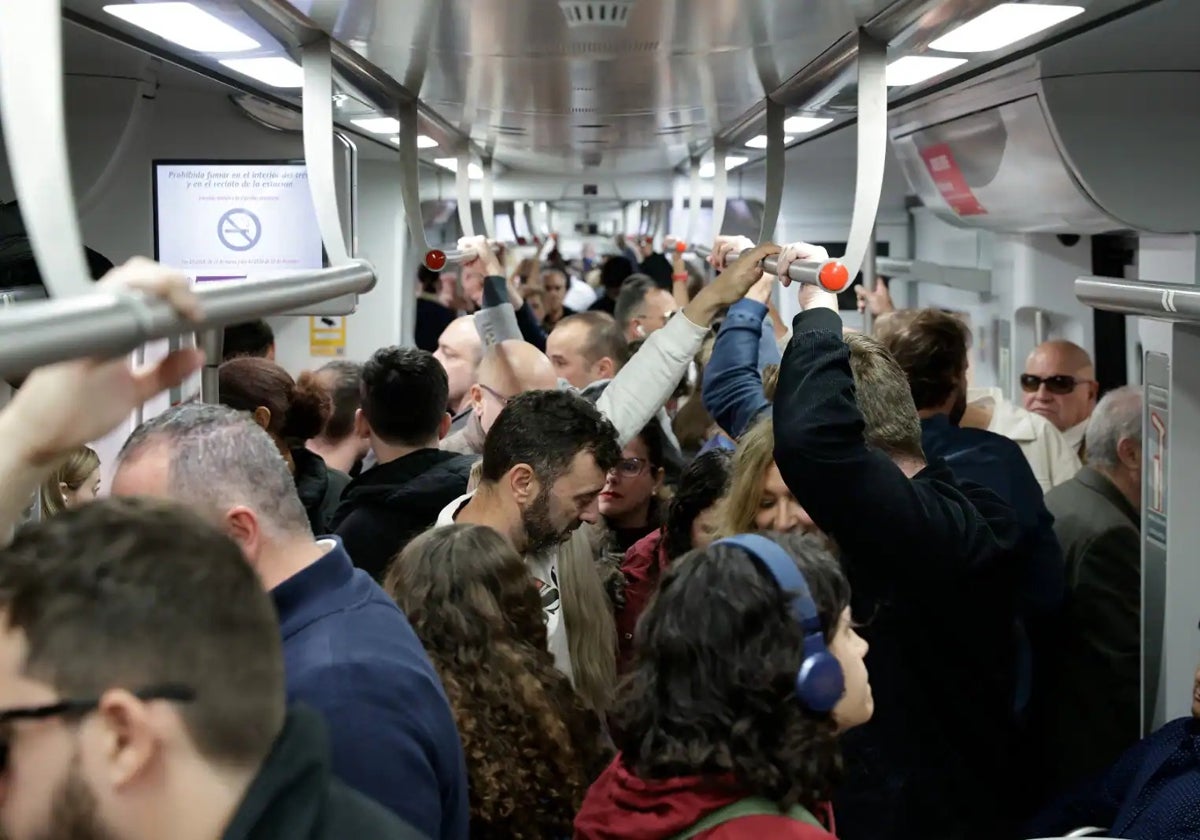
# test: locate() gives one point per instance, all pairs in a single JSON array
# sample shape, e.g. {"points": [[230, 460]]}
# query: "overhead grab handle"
{"points": [[35, 137], [830, 275], [317, 112]]}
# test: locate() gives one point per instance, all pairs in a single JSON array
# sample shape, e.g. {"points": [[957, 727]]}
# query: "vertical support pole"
{"points": [[694, 202], [870, 279], [462, 184], [776, 171], [1041, 324], [488, 201], [352, 189], [35, 137], [213, 344], [720, 189]]}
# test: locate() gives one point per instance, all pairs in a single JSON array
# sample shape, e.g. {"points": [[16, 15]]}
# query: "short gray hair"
{"points": [[1118, 415], [219, 459]]}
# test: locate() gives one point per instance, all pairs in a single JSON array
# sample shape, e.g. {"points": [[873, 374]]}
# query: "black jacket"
{"points": [[320, 489], [295, 797], [932, 580], [391, 503], [1095, 714]]}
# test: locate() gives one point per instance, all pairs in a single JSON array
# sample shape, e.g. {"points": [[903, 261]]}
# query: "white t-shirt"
{"points": [[1047, 450]]}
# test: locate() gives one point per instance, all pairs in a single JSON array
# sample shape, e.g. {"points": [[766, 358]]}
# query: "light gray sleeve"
{"points": [[496, 324]]}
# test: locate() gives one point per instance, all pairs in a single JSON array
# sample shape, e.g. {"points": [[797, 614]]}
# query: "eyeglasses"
{"points": [[1059, 384], [630, 467], [78, 708], [500, 398]]}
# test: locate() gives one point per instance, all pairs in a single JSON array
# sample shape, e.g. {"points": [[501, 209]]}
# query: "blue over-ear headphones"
{"points": [[819, 683]]}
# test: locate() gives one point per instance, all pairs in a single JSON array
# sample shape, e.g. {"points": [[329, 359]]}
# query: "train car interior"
{"points": [[1030, 167]]}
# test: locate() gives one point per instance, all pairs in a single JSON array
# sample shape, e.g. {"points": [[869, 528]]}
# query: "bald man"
{"points": [[506, 370], [459, 350], [1059, 383]]}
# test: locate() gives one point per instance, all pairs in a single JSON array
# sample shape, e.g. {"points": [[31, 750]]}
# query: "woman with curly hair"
{"points": [[530, 745], [728, 723]]}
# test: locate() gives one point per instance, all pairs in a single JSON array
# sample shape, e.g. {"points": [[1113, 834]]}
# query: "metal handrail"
{"points": [[830, 275], [1164, 301], [970, 279], [109, 323]]}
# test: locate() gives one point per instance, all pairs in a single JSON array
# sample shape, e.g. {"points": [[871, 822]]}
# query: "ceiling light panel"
{"points": [[274, 72], [186, 25], [914, 69], [760, 142], [803, 125], [378, 125], [474, 172], [423, 141], [709, 170], [1005, 24]]}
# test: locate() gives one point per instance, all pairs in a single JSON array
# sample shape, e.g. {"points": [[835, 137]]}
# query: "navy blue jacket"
{"points": [[1151, 793], [350, 653]]}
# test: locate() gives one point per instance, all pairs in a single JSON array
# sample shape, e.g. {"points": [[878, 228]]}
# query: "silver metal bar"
{"points": [[720, 189], [872, 148], [1041, 326], [487, 199], [438, 258], [870, 280], [318, 146], [830, 275], [693, 218], [462, 186], [352, 188], [1164, 301], [109, 323], [35, 137], [410, 179], [776, 172], [212, 342], [968, 279], [145, 93]]}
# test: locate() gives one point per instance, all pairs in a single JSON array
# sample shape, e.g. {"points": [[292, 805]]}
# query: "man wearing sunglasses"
{"points": [[1059, 383], [142, 691]]}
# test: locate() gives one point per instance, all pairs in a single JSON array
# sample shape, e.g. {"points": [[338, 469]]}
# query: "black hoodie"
{"points": [[295, 797], [391, 503], [319, 487]]}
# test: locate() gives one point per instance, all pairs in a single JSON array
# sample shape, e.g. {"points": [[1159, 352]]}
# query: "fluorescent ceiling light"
{"points": [[760, 142], [803, 125], [914, 69], [378, 125], [473, 170], [423, 142], [1005, 24], [186, 25], [709, 169], [273, 72]]}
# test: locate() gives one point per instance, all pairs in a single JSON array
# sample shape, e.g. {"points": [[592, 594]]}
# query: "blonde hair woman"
{"points": [[758, 498], [74, 483]]}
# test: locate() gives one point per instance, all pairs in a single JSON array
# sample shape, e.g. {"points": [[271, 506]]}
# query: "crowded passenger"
{"points": [[691, 521], [531, 747], [586, 348], [1148, 793], [255, 339], [642, 307], [759, 499], [432, 316], [402, 416], [926, 558], [1060, 384], [747, 669], [348, 650], [339, 443], [292, 412], [613, 274], [1096, 711], [631, 502], [142, 690], [554, 293], [459, 351], [74, 482]]}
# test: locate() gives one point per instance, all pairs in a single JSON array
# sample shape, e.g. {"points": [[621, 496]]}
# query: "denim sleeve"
{"points": [[733, 392]]}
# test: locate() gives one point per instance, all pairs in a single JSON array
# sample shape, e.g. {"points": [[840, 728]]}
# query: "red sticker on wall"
{"points": [[951, 183]]}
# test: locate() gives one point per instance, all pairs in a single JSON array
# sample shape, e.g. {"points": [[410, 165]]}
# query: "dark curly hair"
{"points": [[717, 697], [701, 486], [531, 747]]}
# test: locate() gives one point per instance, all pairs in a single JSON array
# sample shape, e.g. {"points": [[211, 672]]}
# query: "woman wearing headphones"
{"points": [[748, 667]]}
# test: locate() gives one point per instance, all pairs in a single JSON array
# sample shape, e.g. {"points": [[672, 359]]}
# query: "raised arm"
{"points": [[733, 390], [64, 406]]}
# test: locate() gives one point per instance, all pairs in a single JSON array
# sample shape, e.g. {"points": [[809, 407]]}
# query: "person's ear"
{"points": [[477, 400], [362, 428], [523, 484], [128, 731], [63, 490], [1129, 453], [606, 368], [262, 416], [444, 426], [660, 475], [241, 523]]}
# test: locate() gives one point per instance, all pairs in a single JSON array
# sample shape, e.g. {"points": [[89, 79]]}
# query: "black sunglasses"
{"points": [[1058, 384], [77, 708]]}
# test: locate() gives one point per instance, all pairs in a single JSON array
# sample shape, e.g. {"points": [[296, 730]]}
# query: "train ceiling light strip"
{"points": [[1003, 25], [186, 25], [275, 71]]}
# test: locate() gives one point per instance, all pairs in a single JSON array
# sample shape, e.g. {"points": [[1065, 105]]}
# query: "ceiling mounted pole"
{"points": [[410, 188], [462, 184], [35, 137], [872, 148], [488, 198], [870, 280], [693, 218], [776, 171], [720, 189], [318, 147]]}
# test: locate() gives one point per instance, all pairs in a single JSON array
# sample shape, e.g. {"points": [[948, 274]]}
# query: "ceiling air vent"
{"points": [[596, 12]]}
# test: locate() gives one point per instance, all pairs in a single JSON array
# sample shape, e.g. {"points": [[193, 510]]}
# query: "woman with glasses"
{"points": [[631, 501]]}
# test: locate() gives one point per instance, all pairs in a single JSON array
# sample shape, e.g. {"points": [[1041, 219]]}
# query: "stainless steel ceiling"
{"points": [[546, 96]]}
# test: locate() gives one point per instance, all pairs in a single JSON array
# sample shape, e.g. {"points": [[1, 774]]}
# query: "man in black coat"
{"points": [[926, 559], [1096, 701], [404, 414]]}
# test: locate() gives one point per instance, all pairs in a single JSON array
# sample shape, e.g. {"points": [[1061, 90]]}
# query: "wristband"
{"points": [[679, 276]]}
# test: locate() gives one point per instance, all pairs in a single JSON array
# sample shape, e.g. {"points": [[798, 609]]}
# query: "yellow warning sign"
{"points": [[326, 336]]}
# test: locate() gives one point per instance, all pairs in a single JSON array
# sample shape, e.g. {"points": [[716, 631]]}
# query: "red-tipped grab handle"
{"points": [[833, 277], [435, 260]]}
